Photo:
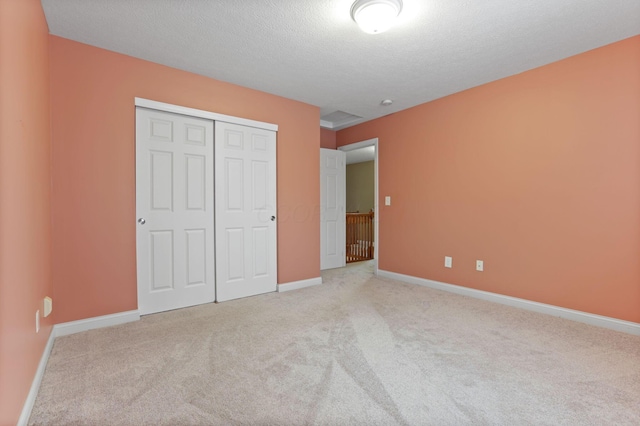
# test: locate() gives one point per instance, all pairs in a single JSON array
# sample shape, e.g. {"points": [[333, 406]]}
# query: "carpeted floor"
{"points": [[356, 350]]}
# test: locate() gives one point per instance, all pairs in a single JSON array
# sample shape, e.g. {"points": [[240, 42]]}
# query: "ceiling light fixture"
{"points": [[375, 16]]}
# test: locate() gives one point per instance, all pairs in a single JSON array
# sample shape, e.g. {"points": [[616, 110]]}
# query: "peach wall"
{"points": [[93, 115], [25, 210], [536, 174], [327, 138]]}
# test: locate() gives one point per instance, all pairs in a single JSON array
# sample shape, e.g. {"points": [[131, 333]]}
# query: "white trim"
{"points": [[73, 327], [339, 125], [65, 329], [358, 145], [556, 311], [376, 206], [177, 109], [295, 285], [37, 379], [326, 124]]}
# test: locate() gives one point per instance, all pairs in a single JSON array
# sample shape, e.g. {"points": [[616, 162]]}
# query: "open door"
{"points": [[332, 208]]}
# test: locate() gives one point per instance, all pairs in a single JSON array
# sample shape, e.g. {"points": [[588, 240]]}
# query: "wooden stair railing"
{"points": [[360, 242]]}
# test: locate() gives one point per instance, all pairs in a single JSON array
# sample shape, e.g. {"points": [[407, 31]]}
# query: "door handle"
{"points": [[141, 221], [273, 218]]}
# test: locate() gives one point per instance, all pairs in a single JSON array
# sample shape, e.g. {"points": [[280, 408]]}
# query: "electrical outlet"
{"points": [[38, 321], [48, 306], [479, 265], [448, 261], [387, 200]]}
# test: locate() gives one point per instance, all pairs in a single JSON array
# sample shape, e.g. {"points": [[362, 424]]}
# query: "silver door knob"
{"points": [[273, 218], [141, 221]]}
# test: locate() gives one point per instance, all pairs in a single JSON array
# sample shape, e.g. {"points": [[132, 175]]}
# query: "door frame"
{"points": [[198, 113], [376, 207]]}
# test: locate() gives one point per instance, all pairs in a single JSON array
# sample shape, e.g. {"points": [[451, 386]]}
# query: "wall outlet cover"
{"points": [[48, 306]]}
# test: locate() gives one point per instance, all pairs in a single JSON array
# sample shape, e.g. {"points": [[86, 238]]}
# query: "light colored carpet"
{"points": [[356, 350]]}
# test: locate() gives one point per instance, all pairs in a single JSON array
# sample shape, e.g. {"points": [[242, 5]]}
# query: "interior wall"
{"points": [[327, 138], [25, 210], [360, 187], [537, 174], [93, 115]]}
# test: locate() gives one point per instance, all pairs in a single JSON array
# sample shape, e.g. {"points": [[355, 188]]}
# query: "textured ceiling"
{"points": [[311, 50]]}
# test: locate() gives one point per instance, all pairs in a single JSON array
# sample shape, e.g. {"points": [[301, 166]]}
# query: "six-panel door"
{"points": [[175, 211], [332, 208], [246, 226]]}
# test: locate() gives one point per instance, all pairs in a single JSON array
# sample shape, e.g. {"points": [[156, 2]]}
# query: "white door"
{"points": [[245, 164], [174, 207], [332, 208]]}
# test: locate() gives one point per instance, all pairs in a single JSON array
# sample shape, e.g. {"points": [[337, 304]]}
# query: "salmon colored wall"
{"points": [[25, 209], [93, 116], [536, 174], [327, 138]]}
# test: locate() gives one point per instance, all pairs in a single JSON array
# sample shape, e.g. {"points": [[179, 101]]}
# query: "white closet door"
{"points": [[332, 208], [246, 226], [174, 206]]}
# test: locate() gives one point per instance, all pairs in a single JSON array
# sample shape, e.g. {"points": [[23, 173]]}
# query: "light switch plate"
{"points": [[448, 261], [387, 200], [479, 265]]}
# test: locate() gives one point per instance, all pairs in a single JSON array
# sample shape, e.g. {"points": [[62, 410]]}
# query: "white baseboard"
{"points": [[37, 379], [295, 285], [73, 327], [65, 329], [556, 311]]}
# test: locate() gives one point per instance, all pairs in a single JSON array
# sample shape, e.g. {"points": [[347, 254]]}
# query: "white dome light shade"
{"points": [[375, 16]]}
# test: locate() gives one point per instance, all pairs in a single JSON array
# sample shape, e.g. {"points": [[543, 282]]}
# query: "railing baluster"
{"points": [[359, 237]]}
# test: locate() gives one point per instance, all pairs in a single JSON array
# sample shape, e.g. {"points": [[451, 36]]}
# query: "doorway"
{"points": [[368, 149]]}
